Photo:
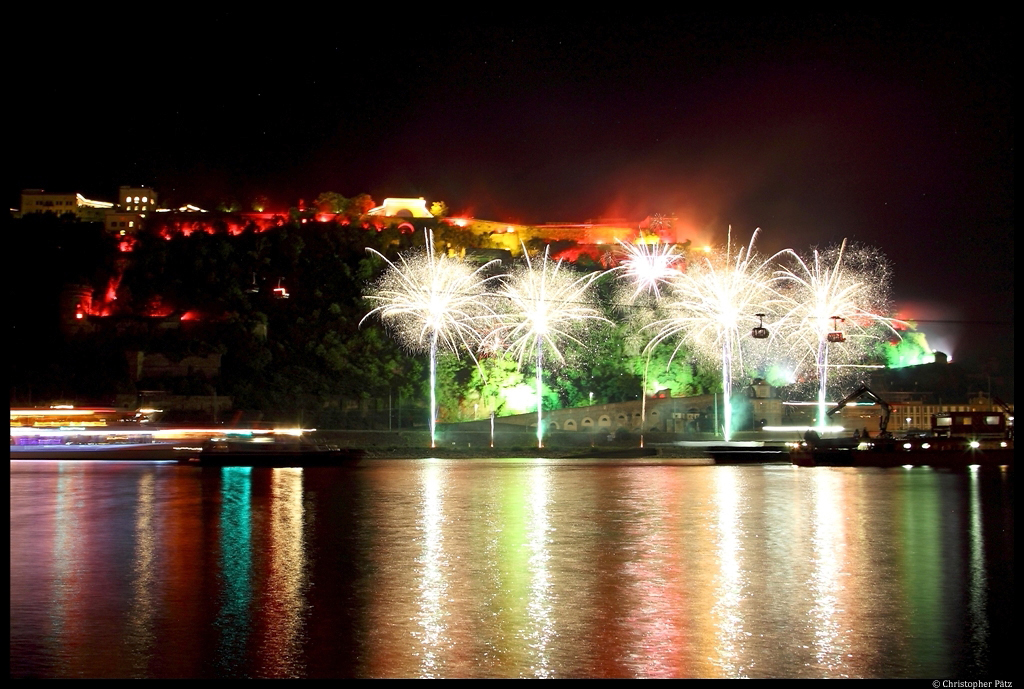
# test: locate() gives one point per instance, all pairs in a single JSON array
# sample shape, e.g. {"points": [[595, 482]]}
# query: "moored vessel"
{"points": [[950, 453]]}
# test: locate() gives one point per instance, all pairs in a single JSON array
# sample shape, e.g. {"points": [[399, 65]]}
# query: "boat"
{"points": [[100, 433], [957, 440], [65, 432], [948, 453]]}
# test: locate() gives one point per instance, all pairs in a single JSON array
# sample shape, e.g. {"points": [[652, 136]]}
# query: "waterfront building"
{"points": [[911, 414], [695, 414]]}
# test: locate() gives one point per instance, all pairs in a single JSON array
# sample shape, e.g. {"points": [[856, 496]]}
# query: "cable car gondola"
{"points": [[760, 332], [836, 335]]}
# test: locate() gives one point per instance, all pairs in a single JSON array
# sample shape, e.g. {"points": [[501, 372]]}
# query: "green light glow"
{"points": [[779, 375], [911, 350], [519, 399]]}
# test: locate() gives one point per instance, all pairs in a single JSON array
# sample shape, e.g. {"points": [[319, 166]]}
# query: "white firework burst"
{"points": [[649, 267], [843, 289], [712, 306], [543, 304], [431, 302]]}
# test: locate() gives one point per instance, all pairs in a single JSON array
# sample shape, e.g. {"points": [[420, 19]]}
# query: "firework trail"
{"points": [[845, 286], [430, 302], [543, 305], [711, 308]]}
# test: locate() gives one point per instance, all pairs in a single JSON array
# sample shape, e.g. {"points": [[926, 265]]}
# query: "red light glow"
{"points": [[573, 254], [156, 308]]}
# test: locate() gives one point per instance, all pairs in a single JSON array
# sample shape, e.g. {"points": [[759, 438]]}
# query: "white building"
{"points": [[402, 208], [41, 201], [138, 199]]}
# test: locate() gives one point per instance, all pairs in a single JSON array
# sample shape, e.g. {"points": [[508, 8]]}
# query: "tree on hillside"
{"points": [[330, 202], [358, 206]]}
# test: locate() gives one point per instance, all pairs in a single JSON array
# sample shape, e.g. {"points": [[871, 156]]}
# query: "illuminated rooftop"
{"points": [[402, 208]]}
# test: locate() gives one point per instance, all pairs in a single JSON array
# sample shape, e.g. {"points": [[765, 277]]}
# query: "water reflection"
{"points": [[654, 580], [829, 548], [433, 579], [540, 630], [978, 579], [145, 575], [283, 597], [235, 567], [69, 545], [507, 568], [731, 584], [924, 570]]}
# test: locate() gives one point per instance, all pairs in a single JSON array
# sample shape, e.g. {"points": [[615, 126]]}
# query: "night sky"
{"points": [[893, 133]]}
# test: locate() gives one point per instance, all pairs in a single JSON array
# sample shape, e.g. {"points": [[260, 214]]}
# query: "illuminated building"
{"points": [[603, 232], [915, 414], [402, 208], [138, 199], [664, 414], [121, 223], [41, 201], [132, 205], [121, 218]]}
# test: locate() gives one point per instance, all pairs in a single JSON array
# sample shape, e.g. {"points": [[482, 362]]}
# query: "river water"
{"points": [[509, 568]]}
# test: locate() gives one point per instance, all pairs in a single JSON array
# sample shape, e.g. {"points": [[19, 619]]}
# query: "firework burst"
{"points": [[543, 305], [648, 268], [712, 306], [834, 303], [431, 302]]}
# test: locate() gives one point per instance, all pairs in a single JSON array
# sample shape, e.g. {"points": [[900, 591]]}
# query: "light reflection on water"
{"points": [[140, 635], [236, 571], [483, 568], [978, 584], [827, 585], [282, 598], [730, 586]]}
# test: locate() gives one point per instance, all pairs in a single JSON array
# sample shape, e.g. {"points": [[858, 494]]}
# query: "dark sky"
{"points": [[894, 133]]}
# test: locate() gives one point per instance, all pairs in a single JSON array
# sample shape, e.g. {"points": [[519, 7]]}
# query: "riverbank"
{"points": [[695, 455], [415, 444]]}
